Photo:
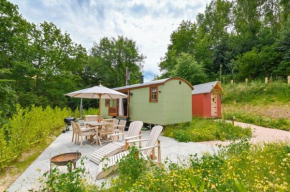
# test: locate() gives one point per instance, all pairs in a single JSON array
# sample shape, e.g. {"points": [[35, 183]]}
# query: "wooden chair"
{"points": [[111, 163], [107, 129], [121, 127], [81, 133], [131, 131], [75, 133], [97, 135], [81, 122], [116, 122], [116, 147], [93, 118]]}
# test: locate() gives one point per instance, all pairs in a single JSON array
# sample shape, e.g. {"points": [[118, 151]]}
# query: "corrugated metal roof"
{"points": [[204, 88], [141, 84]]}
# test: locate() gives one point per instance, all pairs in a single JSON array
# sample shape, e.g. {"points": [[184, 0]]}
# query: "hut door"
{"points": [[213, 105], [113, 108]]}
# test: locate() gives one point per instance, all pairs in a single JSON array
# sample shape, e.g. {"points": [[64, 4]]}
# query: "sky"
{"points": [[148, 22]]}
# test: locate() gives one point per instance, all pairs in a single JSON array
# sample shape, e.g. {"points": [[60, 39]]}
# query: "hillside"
{"points": [[258, 103]]}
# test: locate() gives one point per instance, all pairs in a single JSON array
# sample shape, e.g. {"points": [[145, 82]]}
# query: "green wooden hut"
{"points": [[163, 102]]}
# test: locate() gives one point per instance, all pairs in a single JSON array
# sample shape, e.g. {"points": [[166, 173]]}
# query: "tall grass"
{"points": [[30, 126], [257, 92], [260, 95], [256, 119], [206, 130], [27, 128]]}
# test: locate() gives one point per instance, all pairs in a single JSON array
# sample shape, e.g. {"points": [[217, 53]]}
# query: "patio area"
{"points": [[170, 148]]}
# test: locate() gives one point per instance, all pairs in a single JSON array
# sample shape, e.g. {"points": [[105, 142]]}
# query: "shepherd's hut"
{"points": [[206, 100]]}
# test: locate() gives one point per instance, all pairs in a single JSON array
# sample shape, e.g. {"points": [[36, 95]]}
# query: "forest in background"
{"points": [[237, 39], [40, 63], [232, 39]]}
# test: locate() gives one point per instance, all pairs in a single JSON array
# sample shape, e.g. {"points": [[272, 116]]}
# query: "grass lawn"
{"points": [[205, 130]]}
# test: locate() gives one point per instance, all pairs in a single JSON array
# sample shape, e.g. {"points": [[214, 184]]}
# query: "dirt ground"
{"points": [[7, 179], [12, 172], [274, 111]]}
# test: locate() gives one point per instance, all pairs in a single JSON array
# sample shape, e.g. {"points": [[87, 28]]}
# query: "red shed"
{"points": [[206, 100]]}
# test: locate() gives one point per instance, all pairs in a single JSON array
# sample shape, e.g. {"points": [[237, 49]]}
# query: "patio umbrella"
{"points": [[81, 108], [97, 92]]}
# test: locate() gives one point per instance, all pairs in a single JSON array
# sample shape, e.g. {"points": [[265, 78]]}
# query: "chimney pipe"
{"points": [[127, 76], [141, 79]]}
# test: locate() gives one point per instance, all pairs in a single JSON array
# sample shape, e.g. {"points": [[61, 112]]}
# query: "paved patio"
{"points": [[170, 148]]}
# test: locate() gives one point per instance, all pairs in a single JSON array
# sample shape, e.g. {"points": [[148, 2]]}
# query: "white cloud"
{"points": [[149, 23]]}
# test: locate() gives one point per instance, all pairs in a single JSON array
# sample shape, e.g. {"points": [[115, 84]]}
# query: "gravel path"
{"points": [[260, 134]]}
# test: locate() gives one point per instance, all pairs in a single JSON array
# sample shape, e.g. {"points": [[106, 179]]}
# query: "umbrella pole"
{"points": [[81, 108], [100, 104]]}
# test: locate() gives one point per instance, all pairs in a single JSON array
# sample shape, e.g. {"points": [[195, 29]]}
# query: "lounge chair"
{"points": [[116, 147], [110, 164]]}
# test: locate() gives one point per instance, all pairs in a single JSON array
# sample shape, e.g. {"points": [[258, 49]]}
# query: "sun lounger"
{"points": [[134, 132], [110, 164]]}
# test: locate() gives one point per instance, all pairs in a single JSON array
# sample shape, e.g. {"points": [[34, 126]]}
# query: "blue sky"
{"points": [[149, 22]]}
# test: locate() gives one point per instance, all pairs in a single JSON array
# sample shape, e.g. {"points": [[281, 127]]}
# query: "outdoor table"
{"points": [[95, 125], [98, 125]]}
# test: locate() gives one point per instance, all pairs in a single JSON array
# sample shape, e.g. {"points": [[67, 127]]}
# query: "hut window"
{"points": [[153, 94], [107, 102]]}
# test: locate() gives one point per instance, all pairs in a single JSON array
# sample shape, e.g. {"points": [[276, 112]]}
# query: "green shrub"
{"points": [[181, 135], [74, 180], [26, 128], [30, 126], [205, 130], [89, 111], [131, 168]]}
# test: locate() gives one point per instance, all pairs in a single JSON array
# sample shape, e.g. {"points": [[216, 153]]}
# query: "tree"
{"points": [[14, 38], [250, 35], [8, 99], [258, 63], [182, 41], [57, 64], [283, 46], [109, 59], [189, 69], [42, 61]]}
